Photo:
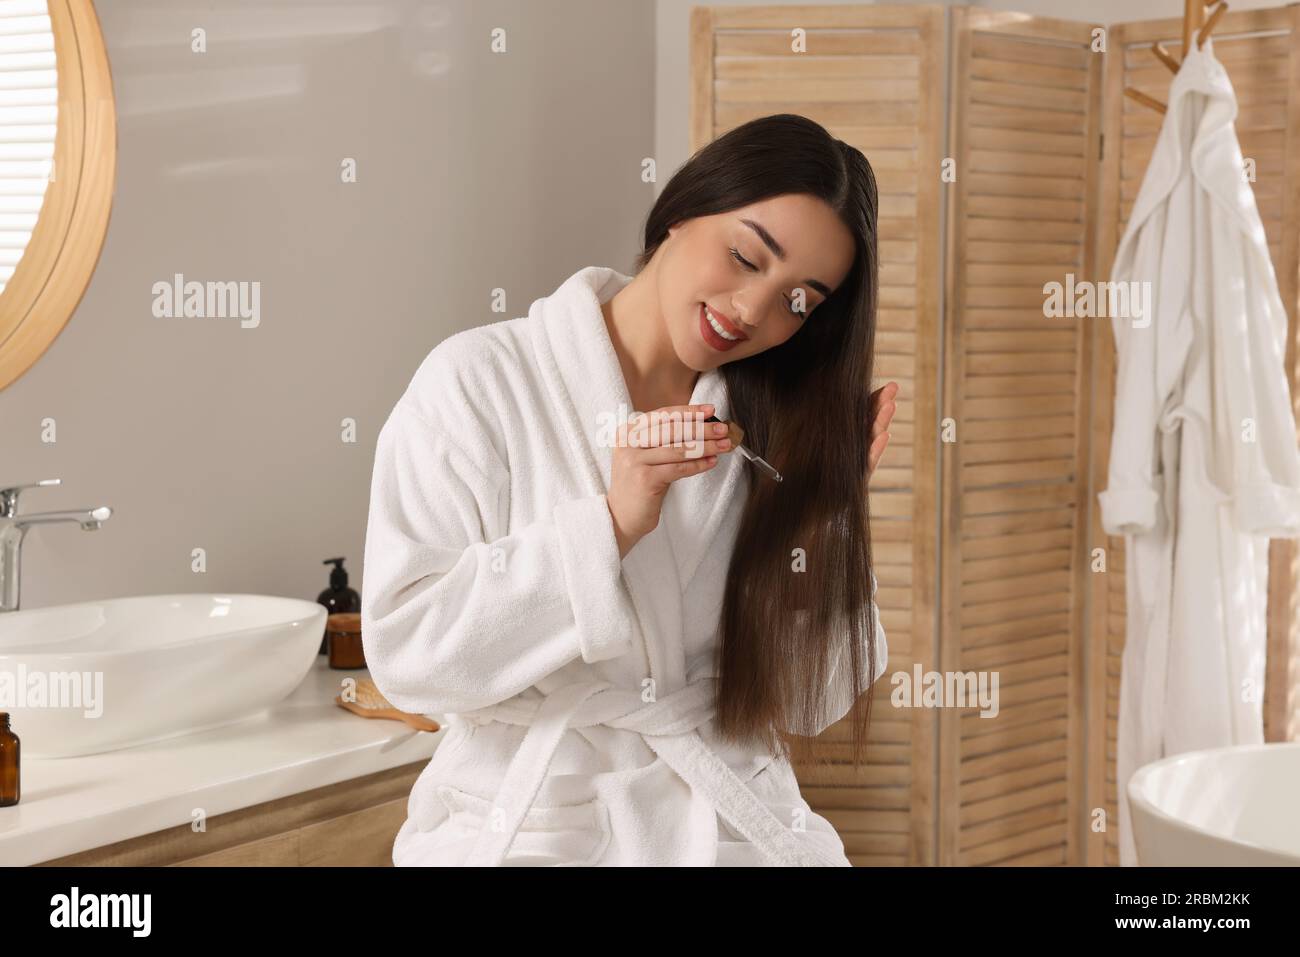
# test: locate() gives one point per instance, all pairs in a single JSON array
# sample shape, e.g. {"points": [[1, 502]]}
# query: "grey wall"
{"points": [[475, 170]]}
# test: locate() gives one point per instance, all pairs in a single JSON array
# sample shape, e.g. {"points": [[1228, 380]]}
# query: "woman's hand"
{"points": [[650, 454], [883, 408]]}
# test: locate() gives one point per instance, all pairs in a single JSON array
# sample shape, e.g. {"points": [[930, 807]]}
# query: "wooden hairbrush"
{"points": [[371, 703]]}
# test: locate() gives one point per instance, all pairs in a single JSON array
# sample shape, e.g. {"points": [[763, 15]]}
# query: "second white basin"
{"points": [[1224, 807], [101, 675]]}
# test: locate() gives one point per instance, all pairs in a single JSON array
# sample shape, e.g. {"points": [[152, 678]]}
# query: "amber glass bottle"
{"points": [[8, 763]]}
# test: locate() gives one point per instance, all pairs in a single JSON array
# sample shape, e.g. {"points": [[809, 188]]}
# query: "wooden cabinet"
{"points": [[349, 824]]}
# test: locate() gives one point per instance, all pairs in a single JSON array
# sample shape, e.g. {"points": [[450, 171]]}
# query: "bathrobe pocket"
{"points": [[559, 835]]}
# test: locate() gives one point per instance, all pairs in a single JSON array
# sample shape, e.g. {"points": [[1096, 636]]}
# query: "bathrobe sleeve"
{"points": [[1150, 357], [455, 614]]}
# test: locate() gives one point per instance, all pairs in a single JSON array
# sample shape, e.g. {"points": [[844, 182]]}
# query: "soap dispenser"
{"points": [[338, 597]]}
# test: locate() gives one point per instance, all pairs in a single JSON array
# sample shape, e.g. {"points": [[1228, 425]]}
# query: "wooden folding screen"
{"points": [[1000, 445], [873, 76], [1025, 113], [1261, 53]]}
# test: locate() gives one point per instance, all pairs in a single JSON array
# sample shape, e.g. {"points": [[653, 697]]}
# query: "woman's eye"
{"points": [[735, 254]]}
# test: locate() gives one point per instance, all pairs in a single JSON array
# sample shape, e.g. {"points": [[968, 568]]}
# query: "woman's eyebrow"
{"points": [[779, 251]]}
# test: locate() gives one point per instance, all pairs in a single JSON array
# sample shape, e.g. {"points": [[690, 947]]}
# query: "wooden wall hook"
{"points": [[1144, 99], [1204, 33], [1164, 56]]}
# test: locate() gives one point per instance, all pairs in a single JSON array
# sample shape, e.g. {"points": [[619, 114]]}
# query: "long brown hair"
{"points": [[804, 407]]}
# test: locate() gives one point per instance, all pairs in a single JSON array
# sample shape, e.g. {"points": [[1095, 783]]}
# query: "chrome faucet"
{"points": [[14, 526]]}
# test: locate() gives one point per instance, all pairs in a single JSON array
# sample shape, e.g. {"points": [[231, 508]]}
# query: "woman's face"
{"points": [[722, 268]]}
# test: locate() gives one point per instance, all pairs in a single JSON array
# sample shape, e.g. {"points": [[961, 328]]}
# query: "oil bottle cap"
{"points": [[339, 576]]}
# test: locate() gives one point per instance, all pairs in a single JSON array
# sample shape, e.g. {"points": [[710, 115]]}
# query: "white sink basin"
{"points": [[126, 671], [1225, 807]]}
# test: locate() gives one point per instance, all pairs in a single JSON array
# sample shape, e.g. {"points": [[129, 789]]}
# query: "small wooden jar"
{"points": [[343, 632]]}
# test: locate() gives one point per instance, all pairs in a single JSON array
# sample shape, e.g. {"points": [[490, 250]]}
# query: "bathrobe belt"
{"points": [[668, 726]]}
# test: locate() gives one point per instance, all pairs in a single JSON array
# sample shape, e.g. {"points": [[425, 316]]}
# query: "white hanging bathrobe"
{"points": [[1203, 461], [578, 690]]}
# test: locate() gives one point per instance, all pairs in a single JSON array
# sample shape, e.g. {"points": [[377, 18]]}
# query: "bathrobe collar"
{"points": [[590, 396], [1216, 158]]}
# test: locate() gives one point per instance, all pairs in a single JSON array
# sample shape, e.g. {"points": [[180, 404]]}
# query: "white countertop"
{"points": [[307, 741]]}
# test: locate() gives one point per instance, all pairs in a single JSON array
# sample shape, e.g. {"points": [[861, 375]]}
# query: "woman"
{"points": [[626, 626]]}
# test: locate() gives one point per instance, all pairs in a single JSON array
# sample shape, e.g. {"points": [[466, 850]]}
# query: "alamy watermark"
{"points": [[34, 688], [179, 299], [608, 425], [1099, 300], [946, 689], [75, 909]]}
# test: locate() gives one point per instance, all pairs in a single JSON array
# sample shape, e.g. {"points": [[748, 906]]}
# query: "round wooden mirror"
{"points": [[58, 154]]}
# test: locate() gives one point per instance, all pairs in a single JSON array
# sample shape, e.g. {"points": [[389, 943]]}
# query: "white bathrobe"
{"points": [[1203, 462], [578, 689]]}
